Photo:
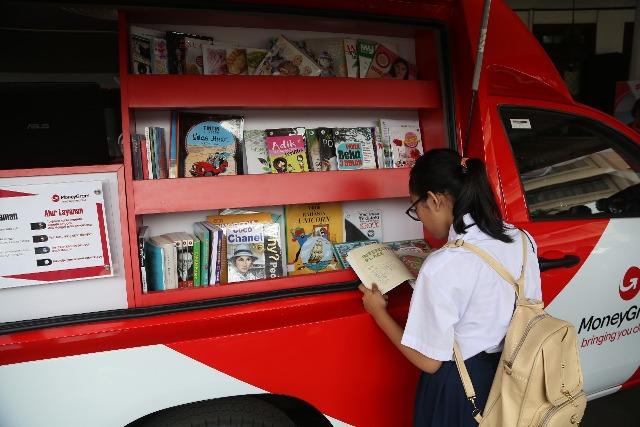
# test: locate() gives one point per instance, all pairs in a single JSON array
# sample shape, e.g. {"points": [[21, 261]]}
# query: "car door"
{"points": [[570, 176]]}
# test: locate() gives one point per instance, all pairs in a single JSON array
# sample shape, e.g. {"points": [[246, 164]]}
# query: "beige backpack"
{"points": [[539, 380]]}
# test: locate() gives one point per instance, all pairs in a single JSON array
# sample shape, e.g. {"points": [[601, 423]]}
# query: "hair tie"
{"points": [[463, 163]]}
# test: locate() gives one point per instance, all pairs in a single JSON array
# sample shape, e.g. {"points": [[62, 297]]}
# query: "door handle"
{"points": [[566, 261]]}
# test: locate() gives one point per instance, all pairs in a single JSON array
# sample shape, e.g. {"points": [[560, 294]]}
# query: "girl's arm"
{"points": [[376, 305]]}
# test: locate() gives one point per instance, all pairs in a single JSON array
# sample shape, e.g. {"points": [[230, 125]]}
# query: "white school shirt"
{"points": [[458, 296]]}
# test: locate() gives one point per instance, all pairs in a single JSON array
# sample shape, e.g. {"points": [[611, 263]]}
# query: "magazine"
{"points": [[287, 59]]}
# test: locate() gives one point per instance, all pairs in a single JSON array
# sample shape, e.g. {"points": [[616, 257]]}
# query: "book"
{"points": [[155, 268], [145, 154], [236, 60], [208, 144], [273, 266], [328, 158], [341, 250], [411, 252], [312, 229], [287, 150], [159, 58], [254, 58], [140, 53], [329, 54], [136, 156], [170, 260], [313, 149], [185, 52], [255, 155], [184, 258], [245, 252], [143, 236], [173, 146], [214, 59], [404, 141], [387, 64], [354, 148], [216, 238], [362, 224], [287, 59], [201, 232], [351, 58], [366, 49], [377, 263], [197, 271]]}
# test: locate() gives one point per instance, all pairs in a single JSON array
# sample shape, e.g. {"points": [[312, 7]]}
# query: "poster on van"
{"points": [[52, 233], [627, 103]]}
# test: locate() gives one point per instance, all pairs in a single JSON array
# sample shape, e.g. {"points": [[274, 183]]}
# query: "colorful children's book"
{"points": [[404, 141], [185, 52], [237, 60], [362, 224], [287, 150], [245, 252], [287, 59], [351, 57], [254, 150], [313, 149], [387, 64], [329, 55], [354, 148], [312, 229], [254, 58], [341, 250], [214, 59], [208, 144]]}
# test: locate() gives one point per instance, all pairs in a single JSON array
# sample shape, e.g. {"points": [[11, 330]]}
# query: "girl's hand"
{"points": [[372, 300]]}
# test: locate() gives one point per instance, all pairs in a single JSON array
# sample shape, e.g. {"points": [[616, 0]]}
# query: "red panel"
{"points": [[253, 287], [71, 170], [192, 194], [634, 381], [191, 91]]}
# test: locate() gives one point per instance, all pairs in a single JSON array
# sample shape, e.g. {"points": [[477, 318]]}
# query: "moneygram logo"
{"points": [[629, 287], [55, 198]]}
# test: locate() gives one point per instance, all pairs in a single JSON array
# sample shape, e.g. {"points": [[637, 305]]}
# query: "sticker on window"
{"points": [[520, 123]]}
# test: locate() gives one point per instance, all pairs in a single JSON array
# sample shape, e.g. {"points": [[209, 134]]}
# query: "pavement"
{"points": [[618, 409]]}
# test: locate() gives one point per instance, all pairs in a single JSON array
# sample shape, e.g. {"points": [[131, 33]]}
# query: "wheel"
{"points": [[228, 412]]}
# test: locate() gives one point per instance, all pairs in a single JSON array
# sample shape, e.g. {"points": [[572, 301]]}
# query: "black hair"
{"points": [[440, 171], [392, 70]]}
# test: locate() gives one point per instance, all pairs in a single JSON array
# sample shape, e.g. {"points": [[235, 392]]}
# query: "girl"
{"points": [[457, 296]]}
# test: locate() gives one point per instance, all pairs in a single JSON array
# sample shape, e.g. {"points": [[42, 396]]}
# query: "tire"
{"points": [[228, 412]]}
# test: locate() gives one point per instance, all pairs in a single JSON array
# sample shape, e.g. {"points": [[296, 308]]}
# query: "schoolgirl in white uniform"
{"points": [[457, 296]]}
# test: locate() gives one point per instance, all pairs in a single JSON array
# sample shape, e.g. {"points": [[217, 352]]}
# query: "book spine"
{"points": [[136, 157], [272, 251], [197, 270], [155, 259], [144, 150], [160, 152], [142, 258], [187, 253], [173, 145], [148, 134], [202, 233]]}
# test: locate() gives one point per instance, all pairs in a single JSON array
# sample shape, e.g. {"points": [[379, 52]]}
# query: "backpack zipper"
{"points": [[530, 325], [551, 412]]}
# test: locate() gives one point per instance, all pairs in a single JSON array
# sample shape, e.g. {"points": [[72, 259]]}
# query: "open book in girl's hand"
{"points": [[377, 263]]}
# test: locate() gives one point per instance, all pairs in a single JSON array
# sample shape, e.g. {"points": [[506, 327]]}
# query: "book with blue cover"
{"points": [[154, 260]]}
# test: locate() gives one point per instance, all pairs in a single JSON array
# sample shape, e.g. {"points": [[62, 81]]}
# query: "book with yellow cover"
{"points": [[312, 229]]}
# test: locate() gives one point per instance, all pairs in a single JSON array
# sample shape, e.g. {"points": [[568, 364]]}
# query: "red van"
{"points": [[301, 350]]}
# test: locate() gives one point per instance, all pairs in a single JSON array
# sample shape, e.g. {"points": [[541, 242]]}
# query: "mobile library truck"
{"points": [[95, 328]]}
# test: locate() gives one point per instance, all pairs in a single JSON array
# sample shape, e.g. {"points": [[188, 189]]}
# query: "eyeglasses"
{"points": [[412, 212]]}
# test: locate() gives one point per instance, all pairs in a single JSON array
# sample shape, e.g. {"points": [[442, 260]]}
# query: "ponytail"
{"points": [[443, 171]]}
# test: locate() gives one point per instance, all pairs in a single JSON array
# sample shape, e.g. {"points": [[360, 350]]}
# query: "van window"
{"points": [[571, 166]]}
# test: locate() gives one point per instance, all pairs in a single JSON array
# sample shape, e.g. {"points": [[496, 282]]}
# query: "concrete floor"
{"points": [[618, 409]]}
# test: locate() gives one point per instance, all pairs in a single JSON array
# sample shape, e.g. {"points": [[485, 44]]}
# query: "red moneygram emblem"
{"points": [[629, 287], [55, 198]]}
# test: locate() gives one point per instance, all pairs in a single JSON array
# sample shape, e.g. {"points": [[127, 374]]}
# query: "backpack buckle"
{"points": [[458, 243], [475, 410]]}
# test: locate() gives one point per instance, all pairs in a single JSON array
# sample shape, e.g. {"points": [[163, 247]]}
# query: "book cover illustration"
{"points": [[255, 155], [366, 49], [404, 141], [328, 158], [254, 58], [313, 149], [208, 144], [286, 59], [329, 55], [237, 60], [387, 64], [159, 58], [140, 54], [214, 59], [377, 263], [312, 229], [362, 224], [351, 58], [411, 252], [354, 148], [185, 52], [287, 150], [342, 249], [245, 252]]}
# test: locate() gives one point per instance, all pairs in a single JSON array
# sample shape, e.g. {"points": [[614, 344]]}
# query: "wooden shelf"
{"points": [[257, 286], [194, 194], [273, 92]]}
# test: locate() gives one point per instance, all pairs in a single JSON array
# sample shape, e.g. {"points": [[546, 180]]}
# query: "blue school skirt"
{"points": [[440, 399]]}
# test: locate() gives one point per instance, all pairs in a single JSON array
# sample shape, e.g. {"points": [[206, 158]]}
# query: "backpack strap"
{"points": [[518, 286]]}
